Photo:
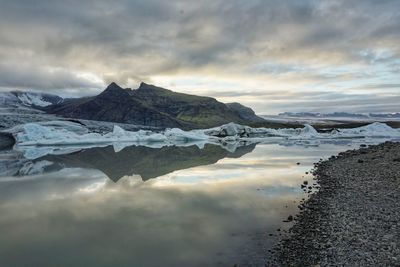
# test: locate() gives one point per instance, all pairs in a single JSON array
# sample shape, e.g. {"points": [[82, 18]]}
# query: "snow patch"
{"points": [[33, 100], [7, 99]]}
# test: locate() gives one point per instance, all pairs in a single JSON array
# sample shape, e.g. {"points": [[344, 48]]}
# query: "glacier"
{"points": [[33, 100]]}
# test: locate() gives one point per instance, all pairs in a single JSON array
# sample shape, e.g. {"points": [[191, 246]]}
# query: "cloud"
{"points": [[335, 102], [305, 44], [14, 76]]}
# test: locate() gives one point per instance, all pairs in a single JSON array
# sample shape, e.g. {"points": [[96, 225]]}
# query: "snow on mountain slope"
{"points": [[37, 99], [8, 99], [33, 100], [28, 99]]}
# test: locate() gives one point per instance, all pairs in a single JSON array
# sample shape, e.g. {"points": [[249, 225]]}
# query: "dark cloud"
{"points": [[47, 44], [21, 75]]}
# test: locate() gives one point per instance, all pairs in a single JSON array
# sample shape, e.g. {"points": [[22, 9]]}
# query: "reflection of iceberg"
{"points": [[146, 161]]}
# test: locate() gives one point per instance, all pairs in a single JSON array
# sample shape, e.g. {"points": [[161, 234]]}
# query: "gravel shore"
{"points": [[354, 218]]}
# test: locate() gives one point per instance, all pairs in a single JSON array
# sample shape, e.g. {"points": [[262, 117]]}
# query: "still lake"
{"points": [[141, 206]]}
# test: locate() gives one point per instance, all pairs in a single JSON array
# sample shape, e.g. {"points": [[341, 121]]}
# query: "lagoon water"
{"points": [[141, 206]]}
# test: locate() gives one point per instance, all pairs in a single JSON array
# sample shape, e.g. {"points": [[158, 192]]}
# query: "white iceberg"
{"points": [[230, 129], [69, 133], [58, 137], [373, 130]]}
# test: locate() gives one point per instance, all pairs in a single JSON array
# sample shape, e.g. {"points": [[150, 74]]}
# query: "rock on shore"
{"points": [[354, 219]]}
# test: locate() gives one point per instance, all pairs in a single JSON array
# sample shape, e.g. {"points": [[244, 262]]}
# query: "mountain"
{"points": [[341, 115], [153, 106], [37, 99], [385, 115], [323, 115], [244, 112], [28, 99]]}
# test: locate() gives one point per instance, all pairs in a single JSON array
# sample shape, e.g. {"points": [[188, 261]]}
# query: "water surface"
{"points": [[141, 206]]}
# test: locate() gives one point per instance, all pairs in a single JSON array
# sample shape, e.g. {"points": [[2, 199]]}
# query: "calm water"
{"points": [[150, 207]]}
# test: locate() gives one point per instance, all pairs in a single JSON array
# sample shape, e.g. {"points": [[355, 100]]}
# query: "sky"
{"points": [[272, 55]]}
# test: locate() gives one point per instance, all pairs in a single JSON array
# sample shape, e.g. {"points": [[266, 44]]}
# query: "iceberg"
{"points": [[59, 137], [230, 129], [373, 130], [44, 134], [68, 133]]}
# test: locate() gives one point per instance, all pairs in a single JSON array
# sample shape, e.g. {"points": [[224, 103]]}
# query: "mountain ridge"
{"points": [[151, 105]]}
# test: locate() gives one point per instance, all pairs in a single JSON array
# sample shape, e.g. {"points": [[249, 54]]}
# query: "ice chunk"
{"points": [[230, 129], [176, 134], [37, 134], [308, 131], [375, 129]]}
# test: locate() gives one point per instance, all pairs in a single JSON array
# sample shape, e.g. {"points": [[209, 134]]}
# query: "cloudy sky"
{"points": [[273, 55]]}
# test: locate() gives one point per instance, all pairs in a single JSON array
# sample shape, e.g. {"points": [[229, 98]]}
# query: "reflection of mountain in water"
{"points": [[144, 161]]}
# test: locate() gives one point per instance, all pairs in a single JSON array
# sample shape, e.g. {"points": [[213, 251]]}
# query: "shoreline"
{"points": [[354, 217]]}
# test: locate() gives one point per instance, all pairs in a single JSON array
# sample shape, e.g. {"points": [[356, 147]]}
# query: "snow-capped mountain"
{"points": [[28, 99], [339, 115]]}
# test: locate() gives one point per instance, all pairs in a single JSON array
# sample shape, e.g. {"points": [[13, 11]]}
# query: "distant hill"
{"points": [[153, 106], [340, 115]]}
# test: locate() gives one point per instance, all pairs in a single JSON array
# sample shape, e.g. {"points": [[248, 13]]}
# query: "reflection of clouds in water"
{"points": [[127, 223], [183, 218], [232, 178], [99, 185], [276, 165], [51, 185], [271, 166], [92, 187], [126, 183]]}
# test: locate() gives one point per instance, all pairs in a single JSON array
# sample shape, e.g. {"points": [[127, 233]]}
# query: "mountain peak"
{"points": [[143, 85], [113, 86], [147, 86], [114, 91]]}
